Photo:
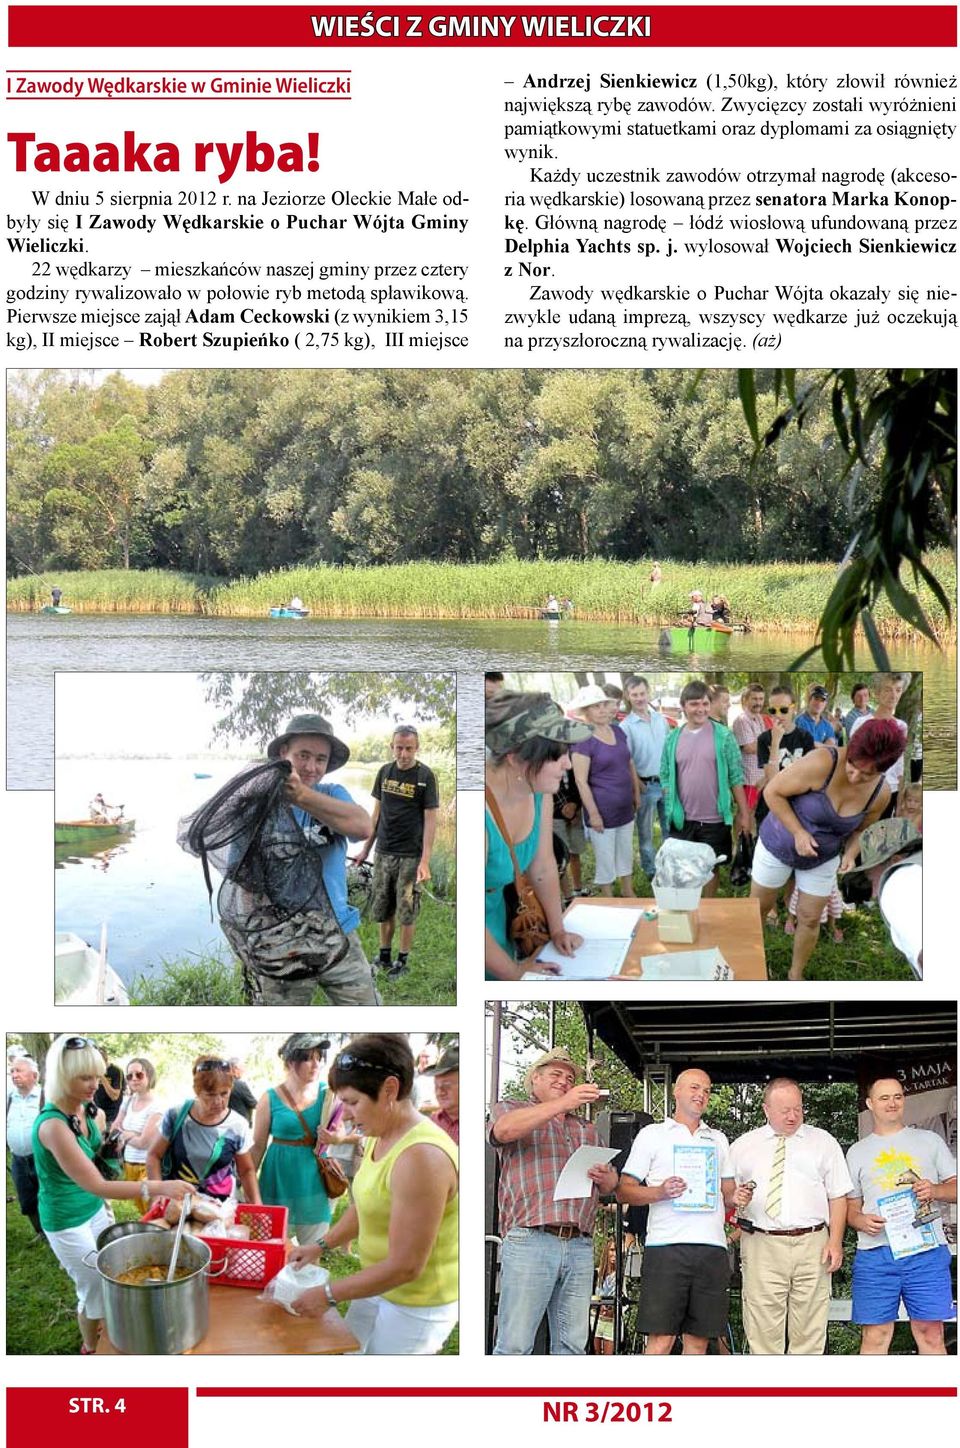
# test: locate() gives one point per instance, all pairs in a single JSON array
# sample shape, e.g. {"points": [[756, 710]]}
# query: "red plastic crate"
{"points": [[253, 1263]]}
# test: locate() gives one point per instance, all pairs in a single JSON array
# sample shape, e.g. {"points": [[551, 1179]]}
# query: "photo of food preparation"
{"points": [[266, 1194]]}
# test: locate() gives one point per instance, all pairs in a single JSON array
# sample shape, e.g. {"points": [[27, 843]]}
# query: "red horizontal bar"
{"points": [[553, 1391], [852, 27]]}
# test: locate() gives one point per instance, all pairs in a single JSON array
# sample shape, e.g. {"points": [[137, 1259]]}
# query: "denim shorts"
{"points": [[880, 1280]]}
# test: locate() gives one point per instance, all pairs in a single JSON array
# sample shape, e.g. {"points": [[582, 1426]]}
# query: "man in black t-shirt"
{"points": [[404, 827], [109, 1093], [242, 1098], [781, 746]]}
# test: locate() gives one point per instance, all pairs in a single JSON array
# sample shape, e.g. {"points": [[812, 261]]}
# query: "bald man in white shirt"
{"points": [[792, 1182]]}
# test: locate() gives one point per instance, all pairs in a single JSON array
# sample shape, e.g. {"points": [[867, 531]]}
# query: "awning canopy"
{"points": [[754, 1040]]}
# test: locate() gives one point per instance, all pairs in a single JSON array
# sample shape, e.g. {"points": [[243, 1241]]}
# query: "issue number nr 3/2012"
{"points": [[608, 1410]]}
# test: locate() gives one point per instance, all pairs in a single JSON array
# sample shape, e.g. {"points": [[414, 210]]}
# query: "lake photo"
{"points": [[136, 754]]}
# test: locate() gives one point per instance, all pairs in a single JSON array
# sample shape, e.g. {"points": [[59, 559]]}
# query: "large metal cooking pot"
{"points": [[166, 1317], [126, 1229]]}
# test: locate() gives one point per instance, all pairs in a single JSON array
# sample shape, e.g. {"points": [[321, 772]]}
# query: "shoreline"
{"points": [[887, 629], [771, 597]]}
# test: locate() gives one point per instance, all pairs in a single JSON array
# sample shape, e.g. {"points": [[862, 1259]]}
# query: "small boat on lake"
{"points": [[55, 608], [551, 615], [697, 639], [72, 832], [81, 974], [284, 611]]}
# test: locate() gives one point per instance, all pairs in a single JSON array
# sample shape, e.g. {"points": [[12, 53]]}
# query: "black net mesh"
{"points": [[273, 904]]}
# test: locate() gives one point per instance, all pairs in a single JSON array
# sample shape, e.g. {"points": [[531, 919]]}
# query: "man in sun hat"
{"points": [[446, 1079], [546, 1264], [328, 817]]}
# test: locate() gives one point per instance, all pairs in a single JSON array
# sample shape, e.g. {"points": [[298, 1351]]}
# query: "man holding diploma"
{"points": [[680, 1169], [546, 1263], [899, 1175], [791, 1195]]}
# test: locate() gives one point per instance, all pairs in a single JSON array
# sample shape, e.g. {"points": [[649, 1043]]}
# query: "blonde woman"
{"points": [[73, 1194]]}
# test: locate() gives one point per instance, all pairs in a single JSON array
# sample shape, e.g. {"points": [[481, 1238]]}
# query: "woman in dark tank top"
{"points": [[819, 808]]}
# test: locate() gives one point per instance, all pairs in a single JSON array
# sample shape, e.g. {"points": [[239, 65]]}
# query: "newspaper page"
{"points": [[352, 355]]}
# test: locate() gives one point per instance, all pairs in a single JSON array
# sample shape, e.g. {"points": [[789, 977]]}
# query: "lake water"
{"points": [[151, 893], [37, 644]]}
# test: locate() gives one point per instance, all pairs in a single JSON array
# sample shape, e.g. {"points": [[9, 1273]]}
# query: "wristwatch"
{"points": [[328, 1294]]}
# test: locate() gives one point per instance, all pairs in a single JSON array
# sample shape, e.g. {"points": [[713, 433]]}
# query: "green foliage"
{"points": [[904, 420], [258, 704]]}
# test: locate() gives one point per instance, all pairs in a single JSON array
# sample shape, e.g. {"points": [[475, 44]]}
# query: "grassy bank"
{"points": [[205, 980], [776, 597]]}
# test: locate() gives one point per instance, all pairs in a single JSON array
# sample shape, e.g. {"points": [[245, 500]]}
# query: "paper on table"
{"points": [[594, 960], [686, 965], [573, 1180], [606, 939]]}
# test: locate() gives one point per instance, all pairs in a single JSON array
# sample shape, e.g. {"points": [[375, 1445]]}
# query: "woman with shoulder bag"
{"points": [[290, 1117], [527, 739]]}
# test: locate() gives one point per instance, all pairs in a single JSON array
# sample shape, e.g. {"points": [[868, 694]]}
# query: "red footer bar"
{"points": [[552, 1391]]}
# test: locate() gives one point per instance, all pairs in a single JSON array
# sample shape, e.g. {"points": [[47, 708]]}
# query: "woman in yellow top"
{"points": [[405, 1209]]}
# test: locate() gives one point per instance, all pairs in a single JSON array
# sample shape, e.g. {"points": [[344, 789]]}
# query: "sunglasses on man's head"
{"points": [[780, 709], [78, 1043]]}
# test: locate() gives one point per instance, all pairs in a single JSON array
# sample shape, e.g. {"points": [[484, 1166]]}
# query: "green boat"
{"points": [[72, 832], [698, 640], [55, 608]]}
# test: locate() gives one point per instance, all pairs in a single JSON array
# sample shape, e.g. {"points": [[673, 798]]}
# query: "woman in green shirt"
{"points": [[66, 1135], [404, 1214]]}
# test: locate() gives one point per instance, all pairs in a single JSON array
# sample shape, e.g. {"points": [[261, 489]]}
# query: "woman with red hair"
{"points": [[819, 808]]}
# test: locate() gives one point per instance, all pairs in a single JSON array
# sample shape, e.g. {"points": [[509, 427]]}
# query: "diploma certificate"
{"points": [[899, 1210], [699, 1167]]}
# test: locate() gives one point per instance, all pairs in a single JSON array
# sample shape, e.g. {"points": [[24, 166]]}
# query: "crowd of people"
{"points": [[786, 1192], [71, 1157], [788, 791]]}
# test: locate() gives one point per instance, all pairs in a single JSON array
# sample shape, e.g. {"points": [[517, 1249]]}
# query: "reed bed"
{"points": [[774, 597], [114, 590]]}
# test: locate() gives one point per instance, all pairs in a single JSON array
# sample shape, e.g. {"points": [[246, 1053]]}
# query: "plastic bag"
{"points": [[292, 1282], [685, 865]]}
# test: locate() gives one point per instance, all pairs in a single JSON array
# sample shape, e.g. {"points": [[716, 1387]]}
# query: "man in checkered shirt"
{"points": [[546, 1263]]}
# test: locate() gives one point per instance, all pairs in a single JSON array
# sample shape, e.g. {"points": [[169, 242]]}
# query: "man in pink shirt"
{"points": [[747, 729]]}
